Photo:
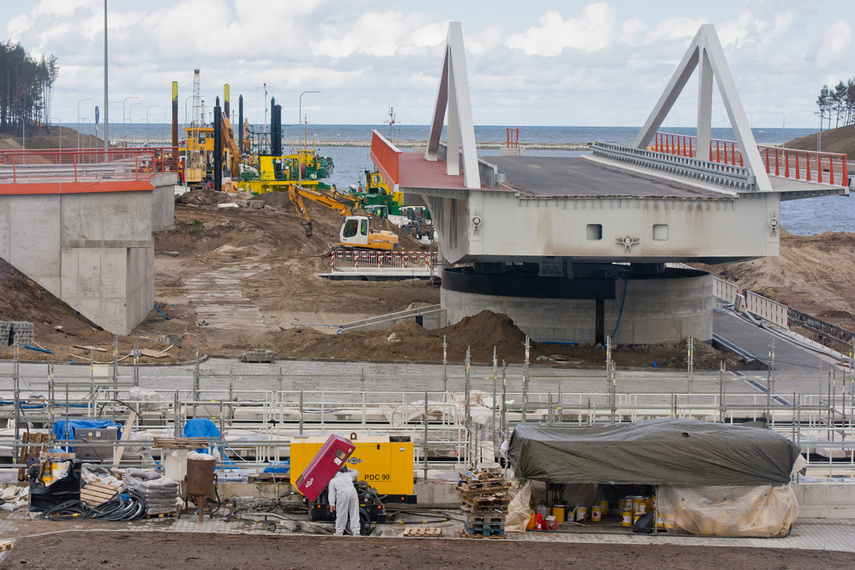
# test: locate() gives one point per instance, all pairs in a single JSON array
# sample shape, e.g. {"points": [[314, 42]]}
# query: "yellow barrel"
{"points": [[626, 518], [596, 513], [639, 505], [558, 513], [604, 507], [581, 513]]}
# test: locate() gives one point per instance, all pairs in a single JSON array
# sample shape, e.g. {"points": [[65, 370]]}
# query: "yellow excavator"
{"points": [[355, 231]]}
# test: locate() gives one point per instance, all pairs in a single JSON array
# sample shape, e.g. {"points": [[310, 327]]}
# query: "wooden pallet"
{"points": [[6, 545], [484, 487], [463, 534], [492, 500], [95, 493], [423, 532]]}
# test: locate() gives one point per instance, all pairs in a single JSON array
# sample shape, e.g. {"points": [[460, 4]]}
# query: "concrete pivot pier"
{"points": [[632, 308], [575, 249], [80, 224]]}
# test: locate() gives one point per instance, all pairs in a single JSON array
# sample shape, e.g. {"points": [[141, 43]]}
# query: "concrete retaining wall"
{"points": [[94, 251]]}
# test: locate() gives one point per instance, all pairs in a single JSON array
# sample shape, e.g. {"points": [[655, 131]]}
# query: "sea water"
{"points": [[803, 217]]}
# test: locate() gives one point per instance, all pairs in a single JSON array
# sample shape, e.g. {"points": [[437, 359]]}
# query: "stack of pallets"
{"points": [[97, 493], [484, 498]]}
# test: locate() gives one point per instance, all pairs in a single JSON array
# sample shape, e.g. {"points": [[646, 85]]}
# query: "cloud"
{"points": [[593, 30]]}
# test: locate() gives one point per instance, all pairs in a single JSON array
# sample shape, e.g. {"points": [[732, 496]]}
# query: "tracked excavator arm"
{"points": [[338, 202]]}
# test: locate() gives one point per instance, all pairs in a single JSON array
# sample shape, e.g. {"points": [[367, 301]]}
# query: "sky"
{"points": [[536, 62]]}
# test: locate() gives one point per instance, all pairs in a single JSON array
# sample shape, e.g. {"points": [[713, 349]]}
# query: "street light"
{"points": [[299, 154], [78, 119], [123, 108], [130, 113], [60, 131], [147, 127], [84, 122]]}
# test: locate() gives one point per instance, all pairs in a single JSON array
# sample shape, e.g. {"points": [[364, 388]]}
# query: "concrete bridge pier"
{"points": [[633, 305]]}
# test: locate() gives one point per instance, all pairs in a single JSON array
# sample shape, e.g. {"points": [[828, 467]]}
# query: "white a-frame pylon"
{"points": [[453, 94], [705, 50]]}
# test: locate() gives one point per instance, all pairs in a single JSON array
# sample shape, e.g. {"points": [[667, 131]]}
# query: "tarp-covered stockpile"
{"points": [[654, 452], [712, 479]]}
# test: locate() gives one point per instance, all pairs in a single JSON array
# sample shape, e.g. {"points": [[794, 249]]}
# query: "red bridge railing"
{"points": [[810, 166], [84, 165], [387, 157]]}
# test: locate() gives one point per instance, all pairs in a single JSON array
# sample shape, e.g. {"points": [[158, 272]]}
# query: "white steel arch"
{"points": [[706, 50]]}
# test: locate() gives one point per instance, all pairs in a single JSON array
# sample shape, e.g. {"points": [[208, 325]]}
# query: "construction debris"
{"points": [[484, 498]]}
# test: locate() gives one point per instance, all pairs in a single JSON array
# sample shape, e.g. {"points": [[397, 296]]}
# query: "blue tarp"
{"points": [[201, 427], [278, 466], [60, 431]]}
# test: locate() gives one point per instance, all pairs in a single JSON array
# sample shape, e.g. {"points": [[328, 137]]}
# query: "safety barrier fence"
{"points": [[387, 157], [84, 165], [809, 166], [403, 260], [449, 428], [782, 315]]}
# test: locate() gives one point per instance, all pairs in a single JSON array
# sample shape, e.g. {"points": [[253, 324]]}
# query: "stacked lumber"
{"points": [[97, 493], [181, 442], [484, 500]]}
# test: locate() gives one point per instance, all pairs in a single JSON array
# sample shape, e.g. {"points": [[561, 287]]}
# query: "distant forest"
{"points": [[25, 85], [837, 103]]}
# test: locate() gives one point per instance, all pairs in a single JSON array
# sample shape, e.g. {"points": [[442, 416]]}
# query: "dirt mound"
{"points": [[205, 197], [840, 140]]}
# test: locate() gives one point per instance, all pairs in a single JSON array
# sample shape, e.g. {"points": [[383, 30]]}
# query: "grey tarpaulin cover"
{"points": [[653, 452]]}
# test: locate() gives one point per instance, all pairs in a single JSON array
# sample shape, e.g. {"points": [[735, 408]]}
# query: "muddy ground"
{"points": [[166, 550], [262, 269]]}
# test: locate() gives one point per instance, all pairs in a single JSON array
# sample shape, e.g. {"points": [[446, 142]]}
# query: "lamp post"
{"points": [[783, 127], [299, 154], [78, 118], [84, 119], [60, 131], [130, 113], [125, 100], [147, 124], [188, 123]]}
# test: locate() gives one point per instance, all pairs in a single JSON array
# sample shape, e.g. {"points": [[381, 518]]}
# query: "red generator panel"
{"points": [[320, 470]]}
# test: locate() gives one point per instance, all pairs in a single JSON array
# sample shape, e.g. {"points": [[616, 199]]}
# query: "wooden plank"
{"points": [[126, 433], [95, 348], [6, 545]]}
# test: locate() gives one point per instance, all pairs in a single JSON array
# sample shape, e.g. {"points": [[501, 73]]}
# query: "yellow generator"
{"points": [[384, 462]]}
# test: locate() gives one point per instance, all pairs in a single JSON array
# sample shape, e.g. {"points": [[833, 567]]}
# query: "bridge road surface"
{"points": [[797, 370]]}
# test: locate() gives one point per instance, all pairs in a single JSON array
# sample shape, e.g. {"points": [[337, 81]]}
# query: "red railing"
{"points": [[84, 165], [820, 167], [386, 156]]}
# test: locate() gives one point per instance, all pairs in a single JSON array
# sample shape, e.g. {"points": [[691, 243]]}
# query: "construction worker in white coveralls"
{"points": [[344, 501]]}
